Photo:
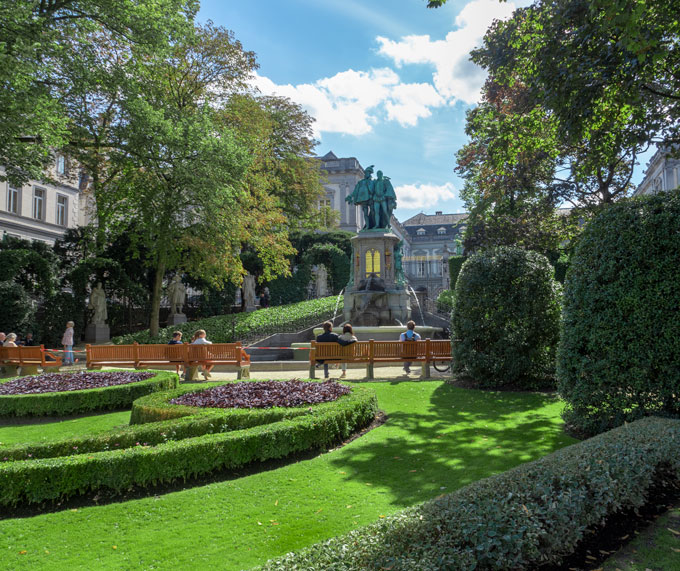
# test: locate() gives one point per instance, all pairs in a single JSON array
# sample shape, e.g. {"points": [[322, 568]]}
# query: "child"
{"points": [[347, 335], [200, 339], [176, 340], [67, 342]]}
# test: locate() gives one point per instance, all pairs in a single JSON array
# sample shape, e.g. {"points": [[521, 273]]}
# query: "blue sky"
{"points": [[388, 81]]}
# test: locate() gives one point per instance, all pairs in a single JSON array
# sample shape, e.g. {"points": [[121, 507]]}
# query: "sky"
{"points": [[387, 81]]}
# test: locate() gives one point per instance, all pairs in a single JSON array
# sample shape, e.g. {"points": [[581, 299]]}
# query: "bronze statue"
{"points": [[363, 196], [376, 198]]}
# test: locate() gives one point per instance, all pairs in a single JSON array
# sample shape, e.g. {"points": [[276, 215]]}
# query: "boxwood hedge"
{"points": [[180, 448], [505, 318], [531, 515], [620, 341], [76, 402]]}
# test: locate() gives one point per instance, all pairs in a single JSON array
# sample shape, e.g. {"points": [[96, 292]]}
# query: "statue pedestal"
{"points": [[97, 333], [250, 308], [175, 318]]}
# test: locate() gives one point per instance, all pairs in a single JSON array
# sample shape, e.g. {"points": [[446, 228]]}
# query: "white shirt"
{"points": [[201, 341]]}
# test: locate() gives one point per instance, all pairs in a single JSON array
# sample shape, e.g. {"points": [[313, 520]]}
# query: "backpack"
{"points": [[410, 335]]}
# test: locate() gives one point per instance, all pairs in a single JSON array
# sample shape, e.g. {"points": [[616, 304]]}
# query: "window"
{"points": [[441, 231], [39, 203], [325, 203], [61, 164], [420, 268], [420, 231], [62, 209], [13, 195], [372, 262]]}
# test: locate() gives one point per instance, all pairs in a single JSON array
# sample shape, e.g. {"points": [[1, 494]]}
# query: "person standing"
{"points": [[329, 337], [409, 335], [347, 335], [200, 338], [67, 342]]}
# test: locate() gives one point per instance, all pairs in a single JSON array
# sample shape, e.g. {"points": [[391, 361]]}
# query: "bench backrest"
{"points": [[31, 354], [365, 351], [162, 352]]}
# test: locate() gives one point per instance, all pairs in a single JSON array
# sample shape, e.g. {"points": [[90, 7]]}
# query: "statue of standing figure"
{"points": [[176, 294], [376, 198], [98, 305]]}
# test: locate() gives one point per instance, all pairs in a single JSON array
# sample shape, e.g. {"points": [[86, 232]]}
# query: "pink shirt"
{"points": [[67, 339]]}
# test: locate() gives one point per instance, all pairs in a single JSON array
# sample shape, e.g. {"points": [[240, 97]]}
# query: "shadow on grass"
{"points": [[463, 436]]}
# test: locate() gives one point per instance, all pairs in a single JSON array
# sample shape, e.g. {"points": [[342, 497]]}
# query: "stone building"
{"points": [[44, 211], [342, 175], [432, 239], [662, 173]]}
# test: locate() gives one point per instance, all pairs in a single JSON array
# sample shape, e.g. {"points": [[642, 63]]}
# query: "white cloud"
{"points": [[351, 102], [455, 77], [424, 196]]}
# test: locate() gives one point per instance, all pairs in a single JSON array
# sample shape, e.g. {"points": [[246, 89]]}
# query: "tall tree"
{"points": [[35, 39]]}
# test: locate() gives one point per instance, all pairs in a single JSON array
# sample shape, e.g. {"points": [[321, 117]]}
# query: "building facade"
{"points": [[662, 173], [43, 211], [432, 239], [342, 176]]}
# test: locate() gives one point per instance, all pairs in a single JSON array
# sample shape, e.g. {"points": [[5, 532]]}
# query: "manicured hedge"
{"points": [[246, 326], [620, 343], [178, 453], [505, 318], [76, 402], [531, 515]]}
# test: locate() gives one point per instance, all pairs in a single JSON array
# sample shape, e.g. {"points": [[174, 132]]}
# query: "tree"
{"points": [[35, 47]]}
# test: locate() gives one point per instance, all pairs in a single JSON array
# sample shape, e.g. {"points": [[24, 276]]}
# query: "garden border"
{"points": [[315, 427], [66, 403]]}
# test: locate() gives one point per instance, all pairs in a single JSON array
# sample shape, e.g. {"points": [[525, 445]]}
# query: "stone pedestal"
{"points": [[97, 333], [175, 318], [374, 296]]}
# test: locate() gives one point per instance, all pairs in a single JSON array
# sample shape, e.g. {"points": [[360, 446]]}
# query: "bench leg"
{"points": [[10, 371], [190, 374], [369, 371], [29, 369], [425, 371], [243, 372], [312, 371]]}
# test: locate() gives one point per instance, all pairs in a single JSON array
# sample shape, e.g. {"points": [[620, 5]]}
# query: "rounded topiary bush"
{"points": [[505, 318], [620, 343]]}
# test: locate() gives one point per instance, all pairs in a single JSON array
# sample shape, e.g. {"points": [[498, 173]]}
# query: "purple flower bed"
{"points": [[60, 382], [264, 394]]}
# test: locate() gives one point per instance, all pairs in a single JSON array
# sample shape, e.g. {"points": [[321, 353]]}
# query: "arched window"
{"points": [[372, 262]]}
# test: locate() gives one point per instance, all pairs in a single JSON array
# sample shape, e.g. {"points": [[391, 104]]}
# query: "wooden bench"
{"points": [[191, 356], [371, 352], [28, 359]]}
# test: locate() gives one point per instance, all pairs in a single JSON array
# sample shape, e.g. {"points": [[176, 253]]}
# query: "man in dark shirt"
{"points": [[329, 337]]}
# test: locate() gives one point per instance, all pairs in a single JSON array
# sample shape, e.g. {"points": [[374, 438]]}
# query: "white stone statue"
{"points": [[176, 294], [249, 290], [98, 304], [321, 281]]}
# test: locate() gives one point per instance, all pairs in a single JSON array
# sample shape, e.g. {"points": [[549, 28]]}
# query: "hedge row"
{"points": [[189, 422], [76, 402], [531, 515], [56, 478], [246, 326]]}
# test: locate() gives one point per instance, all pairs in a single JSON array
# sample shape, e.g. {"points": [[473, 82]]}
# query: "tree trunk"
{"points": [[156, 299]]}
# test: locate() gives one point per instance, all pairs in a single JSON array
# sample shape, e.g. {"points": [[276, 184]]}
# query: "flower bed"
{"points": [[265, 394], [57, 394], [205, 440]]}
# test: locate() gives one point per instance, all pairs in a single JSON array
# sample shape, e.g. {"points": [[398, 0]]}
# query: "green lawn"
{"points": [[23, 431], [437, 438]]}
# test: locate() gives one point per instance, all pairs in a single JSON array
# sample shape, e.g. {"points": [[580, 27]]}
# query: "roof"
{"points": [[438, 219]]}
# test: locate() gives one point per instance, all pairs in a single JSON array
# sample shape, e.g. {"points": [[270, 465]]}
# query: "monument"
{"points": [[249, 292], [177, 294], [98, 331], [376, 294]]}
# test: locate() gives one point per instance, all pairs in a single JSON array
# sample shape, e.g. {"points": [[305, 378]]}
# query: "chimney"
{"points": [[438, 213]]}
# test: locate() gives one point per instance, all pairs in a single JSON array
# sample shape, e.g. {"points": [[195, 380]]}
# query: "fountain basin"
{"points": [[384, 333]]}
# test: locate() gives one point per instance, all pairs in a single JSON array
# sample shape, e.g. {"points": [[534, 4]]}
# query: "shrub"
{"points": [[529, 516], [76, 402], [455, 265], [17, 309], [211, 439], [445, 301], [620, 342], [505, 318]]}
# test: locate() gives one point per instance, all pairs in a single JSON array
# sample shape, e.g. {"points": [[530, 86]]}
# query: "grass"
{"points": [[45, 429], [656, 548], [437, 438]]}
